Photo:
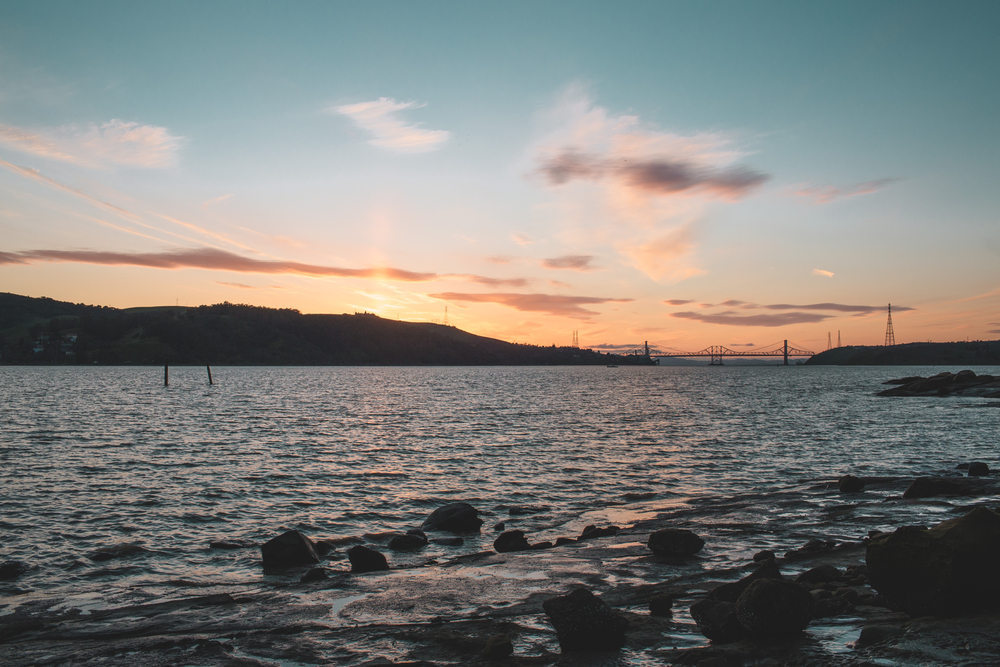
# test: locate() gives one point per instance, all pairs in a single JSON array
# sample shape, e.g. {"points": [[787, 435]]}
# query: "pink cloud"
{"points": [[678, 302], [114, 143], [574, 262], [564, 306], [828, 193], [380, 117], [764, 320]]}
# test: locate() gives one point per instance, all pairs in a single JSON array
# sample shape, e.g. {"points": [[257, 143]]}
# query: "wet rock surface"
{"points": [[584, 622], [962, 383], [290, 549], [364, 560], [459, 518], [675, 543], [512, 540]]}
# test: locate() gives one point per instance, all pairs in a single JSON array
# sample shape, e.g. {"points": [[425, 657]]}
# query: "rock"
{"points": [[314, 574], [498, 647], [906, 380], [716, 620], [813, 546], [978, 469], [542, 545], [928, 487], [713, 662], [12, 569], [117, 551], [364, 560], [454, 518], [763, 555], [876, 634], [500, 527], [289, 550], [232, 544], [324, 547], [675, 543], [593, 532], [831, 606], [850, 484], [560, 541], [819, 575], [512, 540], [661, 605], [411, 541], [731, 592], [584, 622], [774, 609], [449, 541], [948, 569]]}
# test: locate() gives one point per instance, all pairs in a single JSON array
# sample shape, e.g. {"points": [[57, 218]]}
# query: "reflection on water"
{"points": [[93, 457]]}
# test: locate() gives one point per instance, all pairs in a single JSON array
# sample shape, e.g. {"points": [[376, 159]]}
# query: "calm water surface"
{"points": [[93, 457]]}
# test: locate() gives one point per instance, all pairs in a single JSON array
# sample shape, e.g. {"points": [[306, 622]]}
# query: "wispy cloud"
{"points": [[114, 143], [827, 194], [821, 272], [563, 306], [215, 200], [500, 259], [237, 285], [678, 302], [798, 313], [574, 262], [381, 118], [522, 239], [762, 320], [222, 260]]}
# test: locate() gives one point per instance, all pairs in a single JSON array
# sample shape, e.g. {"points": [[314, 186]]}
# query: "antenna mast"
{"points": [[890, 336], [446, 315]]}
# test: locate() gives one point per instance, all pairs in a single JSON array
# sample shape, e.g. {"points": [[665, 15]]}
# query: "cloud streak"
{"points": [[821, 272], [797, 313], [828, 194], [551, 304], [762, 320], [572, 262], [114, 143], [381, 118], [221, 260]]}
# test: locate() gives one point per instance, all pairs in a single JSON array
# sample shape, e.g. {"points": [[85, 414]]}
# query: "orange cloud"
{"points": [[564, 306], [574, 262], [115, 143]]}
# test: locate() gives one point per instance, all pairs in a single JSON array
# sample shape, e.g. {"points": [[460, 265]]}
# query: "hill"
{"points": [[976, 353], [45, 331]]}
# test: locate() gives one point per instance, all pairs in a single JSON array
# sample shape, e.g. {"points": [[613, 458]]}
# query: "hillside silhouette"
{"points": [[45, 331]]}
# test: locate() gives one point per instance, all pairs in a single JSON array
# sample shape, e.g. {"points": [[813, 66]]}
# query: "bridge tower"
{"points": [[890, 336], [786, 352]]}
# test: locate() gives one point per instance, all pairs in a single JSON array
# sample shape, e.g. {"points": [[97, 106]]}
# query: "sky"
{"points": [[683, 173]]}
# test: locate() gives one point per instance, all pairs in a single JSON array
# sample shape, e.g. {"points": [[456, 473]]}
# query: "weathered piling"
{"points": [[166, 375], [209, 369]]}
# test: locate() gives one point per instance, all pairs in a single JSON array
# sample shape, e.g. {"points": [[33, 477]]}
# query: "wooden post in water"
{"points": [[209, 369], [166, 375]]}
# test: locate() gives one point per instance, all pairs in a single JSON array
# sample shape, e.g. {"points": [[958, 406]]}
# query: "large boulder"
{"points": [[716, 620], [978, 469], [928, 487], [413, 539], [948, 569], [454, 518], [675, 543], [364, 560], [850, 484], [288, 550], [584, 622], [774, 609], [512, 540], [731, 592]]}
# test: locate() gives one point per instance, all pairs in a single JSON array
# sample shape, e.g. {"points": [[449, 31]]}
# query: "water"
{"points": [[93, 457]]}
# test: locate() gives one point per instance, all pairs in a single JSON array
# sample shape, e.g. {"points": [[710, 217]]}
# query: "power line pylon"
{"points": [[838, 337], [890, 336], [829, 343], [446, 315]]}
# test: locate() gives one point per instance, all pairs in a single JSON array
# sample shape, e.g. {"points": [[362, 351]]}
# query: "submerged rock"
{"points": [[12, 569], [774, 609], [315, 574], [850, 484], [289, 550], [717, 620], [767, 554], [449, 541], [661, 605], [454, 518], [731, 592], [413, 539], [593, 532], [675, 543], [117, 551], [819, 575], [978, 469], [584, 622], [928, 487], [512, 540], [948, 569], [364, 560], [498, 647], [232, 544]]}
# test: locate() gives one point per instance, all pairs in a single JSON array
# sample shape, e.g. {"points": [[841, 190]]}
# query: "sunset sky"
{"points": [[687, 173]]}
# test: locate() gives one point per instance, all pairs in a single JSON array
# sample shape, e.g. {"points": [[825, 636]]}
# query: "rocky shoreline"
{"points": [[644, 593], [962, 383]]}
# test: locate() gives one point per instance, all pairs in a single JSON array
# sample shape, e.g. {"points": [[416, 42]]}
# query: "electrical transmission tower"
{"points": [[890, 337], [838, 337], [446, 315], [829, 343]]}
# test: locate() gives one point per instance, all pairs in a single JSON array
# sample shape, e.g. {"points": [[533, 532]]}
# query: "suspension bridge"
{"points": [[716, 353]]}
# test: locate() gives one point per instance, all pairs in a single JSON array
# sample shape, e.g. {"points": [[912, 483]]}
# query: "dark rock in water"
{"points": [[978, 469], [819, 575], [454, 518], [928, 487], [542, 545], [675, 542], [831, 606], [289, 550], [324, 547], [498, 647], [763, 555], [411, 541], [500, 527], [906, 380], [774, 609], [315, 574], [584, 622], [850, 484], [560, 541], [593, 532], [731, 592], [520, 510], [813, 546], [512, 540], [232, 544], [364, 560], [948, 569], [876, 634], [12, 569], [117, 551], [716, 620], [661, 605], [449, 541]]}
